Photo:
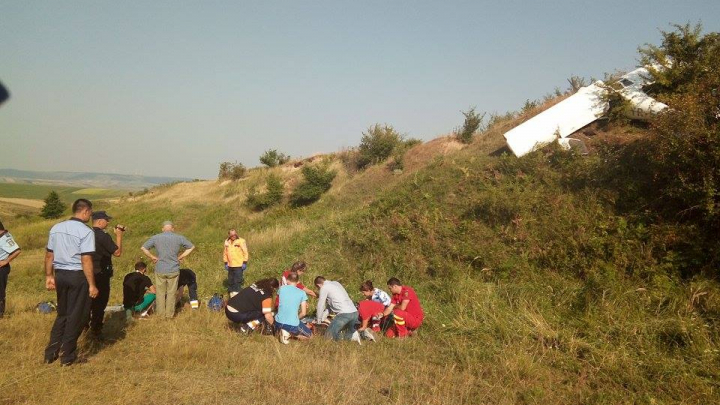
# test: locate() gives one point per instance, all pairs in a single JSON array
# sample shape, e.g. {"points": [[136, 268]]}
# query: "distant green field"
{"points": [[67, 194]]}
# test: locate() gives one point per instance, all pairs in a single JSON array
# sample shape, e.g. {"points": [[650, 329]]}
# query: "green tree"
{"points": [[272, 158], [54, 207], [472, 123]]}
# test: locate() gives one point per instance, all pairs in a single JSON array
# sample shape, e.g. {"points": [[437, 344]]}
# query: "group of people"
{"points": [[398, 315], [78, 266]]}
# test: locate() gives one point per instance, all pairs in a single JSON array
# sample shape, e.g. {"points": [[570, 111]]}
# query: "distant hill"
{"points": [[85, 179]]}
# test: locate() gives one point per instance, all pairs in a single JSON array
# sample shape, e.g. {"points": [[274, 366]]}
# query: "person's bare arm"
{"points": [[119, 238], [303, 310], [404, 304], [149, 254], [270, 318], [364, 325], [87, 268], [389, 309], [10, 258], [49, 273], [185, 253], [152, 289], [310, 292]]}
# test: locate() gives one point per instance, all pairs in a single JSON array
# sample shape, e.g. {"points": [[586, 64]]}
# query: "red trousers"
{"points": [[405, 321]]}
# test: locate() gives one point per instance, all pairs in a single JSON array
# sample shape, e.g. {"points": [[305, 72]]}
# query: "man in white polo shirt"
{"points": [[9, 250], [69, 271]]}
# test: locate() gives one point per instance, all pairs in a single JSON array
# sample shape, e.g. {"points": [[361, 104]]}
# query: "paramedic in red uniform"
{"points": [[405, 308]]}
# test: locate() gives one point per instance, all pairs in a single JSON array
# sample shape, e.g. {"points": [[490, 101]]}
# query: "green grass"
{"points": [[535, 292], [67, 194]]}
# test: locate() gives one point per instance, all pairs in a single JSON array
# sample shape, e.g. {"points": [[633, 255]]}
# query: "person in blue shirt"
{"points": [[9, 250], [69, 271], [293, 307]]}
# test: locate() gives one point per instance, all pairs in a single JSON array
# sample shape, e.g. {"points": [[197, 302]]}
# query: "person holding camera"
{"points": [[105, 249]]}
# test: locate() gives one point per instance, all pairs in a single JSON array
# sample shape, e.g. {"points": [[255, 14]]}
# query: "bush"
{"points": [[232, 171], [272, 158], [472, 123], [377, 144], [685, 151], [53, 207], [318, 180], [238, 171], [671, 178], [273, 195]]}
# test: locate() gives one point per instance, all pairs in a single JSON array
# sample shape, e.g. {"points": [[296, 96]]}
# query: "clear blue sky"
{"points": [[174, 88]]}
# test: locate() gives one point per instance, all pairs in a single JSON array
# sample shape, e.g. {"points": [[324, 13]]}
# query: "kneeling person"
{"points": [[253, 305], [293, 306], [406, 309], [187, 278], [369, 312], [138, 291], [333, 295]]}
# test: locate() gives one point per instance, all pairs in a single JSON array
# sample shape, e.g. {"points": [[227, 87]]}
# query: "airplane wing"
{"points": [[643, 106], [564, 118]]}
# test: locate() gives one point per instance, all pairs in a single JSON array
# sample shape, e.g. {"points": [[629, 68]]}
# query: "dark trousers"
{"points": [[4, 272], [244, 317], [73, 310], [235, 279], [97, 307]]}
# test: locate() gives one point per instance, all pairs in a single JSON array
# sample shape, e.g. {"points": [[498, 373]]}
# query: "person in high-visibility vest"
{"points": [[235, 256]]}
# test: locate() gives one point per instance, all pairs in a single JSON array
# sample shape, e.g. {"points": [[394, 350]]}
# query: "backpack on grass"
{"points": [[216, 303]]}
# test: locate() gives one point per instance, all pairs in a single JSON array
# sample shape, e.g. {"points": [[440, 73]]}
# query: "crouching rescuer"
{"points": [[252, 306], [138, 291], [405, 308]]}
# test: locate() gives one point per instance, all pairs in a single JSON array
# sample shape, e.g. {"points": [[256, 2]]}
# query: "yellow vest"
{"points": [[235, 252]]}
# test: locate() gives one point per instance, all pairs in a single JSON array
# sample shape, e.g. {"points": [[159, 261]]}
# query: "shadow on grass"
{"points": [[114, 330]]}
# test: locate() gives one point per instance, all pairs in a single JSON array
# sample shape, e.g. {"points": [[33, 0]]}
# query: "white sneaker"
{"points": [[284, 337], [194, 304], [367, 334], [356, 338]]}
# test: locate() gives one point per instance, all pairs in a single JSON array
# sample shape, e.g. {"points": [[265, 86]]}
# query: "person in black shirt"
{"points": [[138, 291], [253, 305], [187, 278], [105, 249]]}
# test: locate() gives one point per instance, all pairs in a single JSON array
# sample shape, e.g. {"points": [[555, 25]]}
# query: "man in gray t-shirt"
{"points": [[167, 265]]}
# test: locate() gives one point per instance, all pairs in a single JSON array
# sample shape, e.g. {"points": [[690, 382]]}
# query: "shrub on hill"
{"points": [[272, 196], [272, 158], [317, 180], [53, 207], [232, 171], [377, 144], [472, 124], [673, 175]]}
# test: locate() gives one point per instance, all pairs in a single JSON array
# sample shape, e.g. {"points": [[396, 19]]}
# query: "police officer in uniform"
{"points": [[9, 250], [105, 249], [69, 271]]}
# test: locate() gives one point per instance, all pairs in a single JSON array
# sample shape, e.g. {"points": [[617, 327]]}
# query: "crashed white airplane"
{"points": [[582, 108]]}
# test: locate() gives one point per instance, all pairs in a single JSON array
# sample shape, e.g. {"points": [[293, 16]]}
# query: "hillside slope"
{"points": [[536, 290]]}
